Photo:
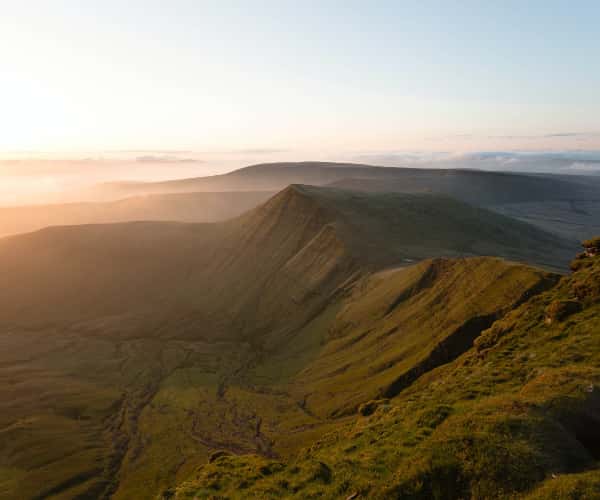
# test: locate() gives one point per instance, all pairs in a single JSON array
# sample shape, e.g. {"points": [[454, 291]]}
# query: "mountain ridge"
{"points": [[153, 345], [375, 231], [516, 415], [275, 176]]}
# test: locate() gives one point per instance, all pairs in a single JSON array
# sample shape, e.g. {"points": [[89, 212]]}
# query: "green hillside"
{"points": [[516, 415], [398, 325], [132, 353], [288, 255]]}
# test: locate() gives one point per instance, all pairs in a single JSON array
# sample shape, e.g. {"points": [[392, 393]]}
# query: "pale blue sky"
{"points": [[303, 76]]}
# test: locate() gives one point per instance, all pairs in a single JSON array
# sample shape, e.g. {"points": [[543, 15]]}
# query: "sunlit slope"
{"points": [[515, 416], [179, 207], [398, 325]]}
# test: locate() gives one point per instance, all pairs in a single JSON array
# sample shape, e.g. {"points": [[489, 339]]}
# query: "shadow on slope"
{"points": [[517, 415], [239, 278]]}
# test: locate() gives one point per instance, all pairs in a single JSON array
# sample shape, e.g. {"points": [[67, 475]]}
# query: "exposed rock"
{"points": [[592, 247], [558, 310]]}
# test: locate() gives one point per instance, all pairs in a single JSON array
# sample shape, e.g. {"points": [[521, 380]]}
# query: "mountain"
{"points": [[477, 187], [297, 247], [135, 353], [182, 207], [472, 186], [568, 205], [515, 416], [261, 177]]}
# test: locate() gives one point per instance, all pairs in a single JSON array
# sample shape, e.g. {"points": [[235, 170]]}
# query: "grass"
{"points": [[398, 322], [516, 415], [262, 335]]}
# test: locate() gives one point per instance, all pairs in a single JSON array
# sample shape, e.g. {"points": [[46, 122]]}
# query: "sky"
{"points": [[197, 80], [201, 75]]}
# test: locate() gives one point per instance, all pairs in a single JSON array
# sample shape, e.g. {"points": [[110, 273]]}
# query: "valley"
{"points": [[299, 250], [256, 336], [515, 415]]}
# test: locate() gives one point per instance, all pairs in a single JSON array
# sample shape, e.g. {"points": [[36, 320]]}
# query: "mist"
{"points": [[41, 178]]}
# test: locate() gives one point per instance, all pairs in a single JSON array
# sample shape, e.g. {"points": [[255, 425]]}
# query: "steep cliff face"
{"points": [[398, 325]]}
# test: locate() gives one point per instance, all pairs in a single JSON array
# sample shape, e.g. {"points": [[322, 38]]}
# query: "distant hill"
{"points": [[471, 186], [568, 205], [135, 353], [477, 187], [182, 207], [262, 177]]}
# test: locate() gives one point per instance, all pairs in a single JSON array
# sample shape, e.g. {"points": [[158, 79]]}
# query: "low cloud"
{"points": [[258, 151], [165, 159], [564, 134]]}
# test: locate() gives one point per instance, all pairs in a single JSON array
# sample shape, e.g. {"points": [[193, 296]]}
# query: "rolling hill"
{"points": [[134, 353], [181, 207], [471, 186], [297, 247], [568, 205]]}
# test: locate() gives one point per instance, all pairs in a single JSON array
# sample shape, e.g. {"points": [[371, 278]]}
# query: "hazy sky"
{"points": [[89, 76]]}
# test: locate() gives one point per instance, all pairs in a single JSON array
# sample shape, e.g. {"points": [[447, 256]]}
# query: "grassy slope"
{"points": [[195, 408], [390, 227], [149, 345], [517, 414], [268, 271], [412, 319]]}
